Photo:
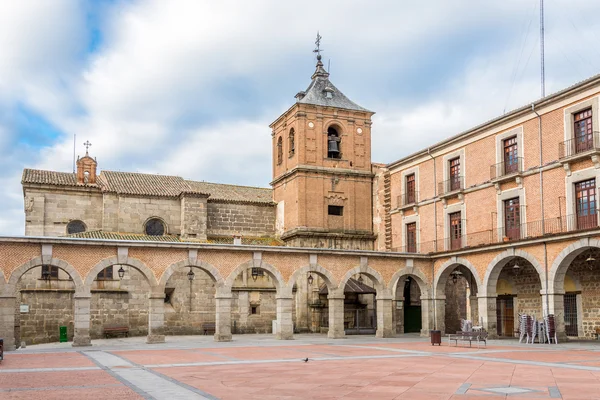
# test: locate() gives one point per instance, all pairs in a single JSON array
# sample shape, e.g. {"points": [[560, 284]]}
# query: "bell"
{"points": [[333, 146]]}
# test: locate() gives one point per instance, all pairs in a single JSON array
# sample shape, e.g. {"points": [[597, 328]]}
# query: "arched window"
{"points": [[75, 226], [333, 143], [292, 143], [279, 150], [154, 227], [106, 274]]}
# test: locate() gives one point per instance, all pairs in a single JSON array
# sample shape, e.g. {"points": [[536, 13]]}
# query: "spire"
{"points": [[320, 71]]}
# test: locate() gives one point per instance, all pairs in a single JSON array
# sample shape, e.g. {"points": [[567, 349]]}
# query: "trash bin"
{"points": [[436, 337], [62, 331]]}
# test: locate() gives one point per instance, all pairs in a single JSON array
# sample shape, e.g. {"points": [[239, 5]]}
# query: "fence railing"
{"points": [[529, 230], [452, 185], [504, 168], [406, 199], [580, 144]]}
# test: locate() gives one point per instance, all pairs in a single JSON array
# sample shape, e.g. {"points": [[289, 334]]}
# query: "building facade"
{"points": [[491, 223]]}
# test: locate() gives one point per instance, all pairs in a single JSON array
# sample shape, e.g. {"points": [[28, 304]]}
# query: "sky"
{"points": [[189, 87]]}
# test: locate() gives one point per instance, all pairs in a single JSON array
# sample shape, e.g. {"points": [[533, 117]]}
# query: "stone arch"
{"points": [[110, 261], [495, 267], [373, 274], [206, 267], [271, 271], [329, 279], [414, 273], [446, 269], [10, 287], [556, 278]]}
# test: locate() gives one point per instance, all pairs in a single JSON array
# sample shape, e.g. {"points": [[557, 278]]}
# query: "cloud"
{"points": [[189, 87]]}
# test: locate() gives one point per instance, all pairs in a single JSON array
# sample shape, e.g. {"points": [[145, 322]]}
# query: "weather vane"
{"points": [[318, 48], [87, 145]]}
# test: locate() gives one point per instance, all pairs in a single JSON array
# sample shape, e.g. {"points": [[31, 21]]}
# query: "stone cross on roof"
{"points": [[87, 145]]}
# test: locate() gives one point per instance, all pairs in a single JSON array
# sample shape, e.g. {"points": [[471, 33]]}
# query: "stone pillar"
{"points": [[223, 318], [385, 320], [556, 302], [336, 316], [285, 325], [487, 312], [156, 319], [440, 313], [82, 321], [7, 321], [426, 315]]}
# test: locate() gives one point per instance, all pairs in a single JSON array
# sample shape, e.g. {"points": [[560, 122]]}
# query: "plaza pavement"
{"points": [[260, 367]]}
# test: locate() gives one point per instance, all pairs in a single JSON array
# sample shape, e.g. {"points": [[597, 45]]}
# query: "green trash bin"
{"points": [[62, 330]]}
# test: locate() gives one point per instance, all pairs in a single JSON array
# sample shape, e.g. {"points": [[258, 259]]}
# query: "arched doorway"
{"points": [[460, 292], [411, 310], [411, 303]]}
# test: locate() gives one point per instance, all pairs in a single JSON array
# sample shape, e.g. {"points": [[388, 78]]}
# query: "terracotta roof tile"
{"points": [[142, 184], [49, 177], [124, 236], [245, 194]]}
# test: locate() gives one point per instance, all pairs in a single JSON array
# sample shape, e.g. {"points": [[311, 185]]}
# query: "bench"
{"points": [[208, 327], [468, 337], [115, 330]]}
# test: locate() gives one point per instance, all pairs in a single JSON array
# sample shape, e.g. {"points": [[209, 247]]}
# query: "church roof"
{"points": [[321, 92], [124, 236], [137, 184], [49, 177]]}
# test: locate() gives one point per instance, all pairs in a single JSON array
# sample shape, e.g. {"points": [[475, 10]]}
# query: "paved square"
{"points": [[259, 367]]}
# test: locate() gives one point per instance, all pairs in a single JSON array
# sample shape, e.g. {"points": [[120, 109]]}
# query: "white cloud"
{"points": [[188, 87]]}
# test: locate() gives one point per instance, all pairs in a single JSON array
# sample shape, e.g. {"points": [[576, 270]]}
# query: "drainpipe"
{"points": [[542, 204], [435, 240]]}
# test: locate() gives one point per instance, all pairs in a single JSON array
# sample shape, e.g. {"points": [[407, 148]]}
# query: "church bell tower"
{"points": [[322, 176]]}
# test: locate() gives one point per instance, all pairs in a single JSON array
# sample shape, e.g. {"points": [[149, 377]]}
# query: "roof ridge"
{"points": [[141, 173], [229, 184]]}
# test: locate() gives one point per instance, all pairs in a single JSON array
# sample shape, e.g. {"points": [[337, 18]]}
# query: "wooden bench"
{"points": [[115, 330], [468, 337], [209, 327]]}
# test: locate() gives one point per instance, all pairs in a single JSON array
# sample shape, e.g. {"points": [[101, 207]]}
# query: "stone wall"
{"points": [[47, 212], [189, 304], [193, 216], [456, 304], [225, 219], [133, 212]]}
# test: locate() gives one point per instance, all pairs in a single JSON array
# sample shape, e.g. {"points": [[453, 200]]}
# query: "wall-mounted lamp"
{"points": [[190, 275], [310, 279], [121, 272]]}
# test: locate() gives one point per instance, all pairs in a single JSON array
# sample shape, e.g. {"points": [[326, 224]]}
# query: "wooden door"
{"points": [[512, 219], [584, 136], [511, 156], [585, 194], [455, 231], [505, 317]]}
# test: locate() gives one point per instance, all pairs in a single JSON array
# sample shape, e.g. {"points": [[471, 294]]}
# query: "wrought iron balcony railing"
{"points": [[579, 145], [408, 199], [506, 168], [452, 185]]}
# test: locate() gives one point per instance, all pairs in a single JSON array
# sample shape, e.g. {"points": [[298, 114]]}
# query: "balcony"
{"points": [[506, 171], [579, 148], [529, 230], [451, 187], [407, 200]]}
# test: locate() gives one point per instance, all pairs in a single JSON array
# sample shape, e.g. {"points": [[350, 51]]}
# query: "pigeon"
{"points": [[305, 359]]}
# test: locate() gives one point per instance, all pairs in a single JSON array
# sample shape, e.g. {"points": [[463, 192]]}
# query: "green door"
{"points": [[412, 319]]}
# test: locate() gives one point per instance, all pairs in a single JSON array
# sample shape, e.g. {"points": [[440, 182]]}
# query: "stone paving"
{"points": [[260, 367]]}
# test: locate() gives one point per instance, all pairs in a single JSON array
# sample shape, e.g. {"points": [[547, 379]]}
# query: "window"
{"points": [[49, 272], [75, 226], [512, 219], [254, 310], [411, 237], [455, 231], [155, 227], [410, 189], [511, 155], [584, 136], [585, 204], [335, 210], [455, 174], [106, 274], [333, 143], [292, 143], [279, 150], [257, 272]]}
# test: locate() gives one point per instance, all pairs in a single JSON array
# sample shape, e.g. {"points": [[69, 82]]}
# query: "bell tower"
{"points": [[322, 172]]}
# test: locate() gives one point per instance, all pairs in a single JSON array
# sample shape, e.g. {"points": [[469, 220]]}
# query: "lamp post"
{"points": [[190, 276]]}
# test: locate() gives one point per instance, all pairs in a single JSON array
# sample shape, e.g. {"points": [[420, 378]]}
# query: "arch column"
{"points": [[223, 317], [488, 313], [556, 303], [156, 318], [336, 314], [7, 321], [81, 336], [385, 319], [285, 325], [428, 319]]}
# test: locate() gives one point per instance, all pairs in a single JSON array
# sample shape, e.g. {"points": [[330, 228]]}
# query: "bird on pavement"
{"points": [[305, 359]]}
